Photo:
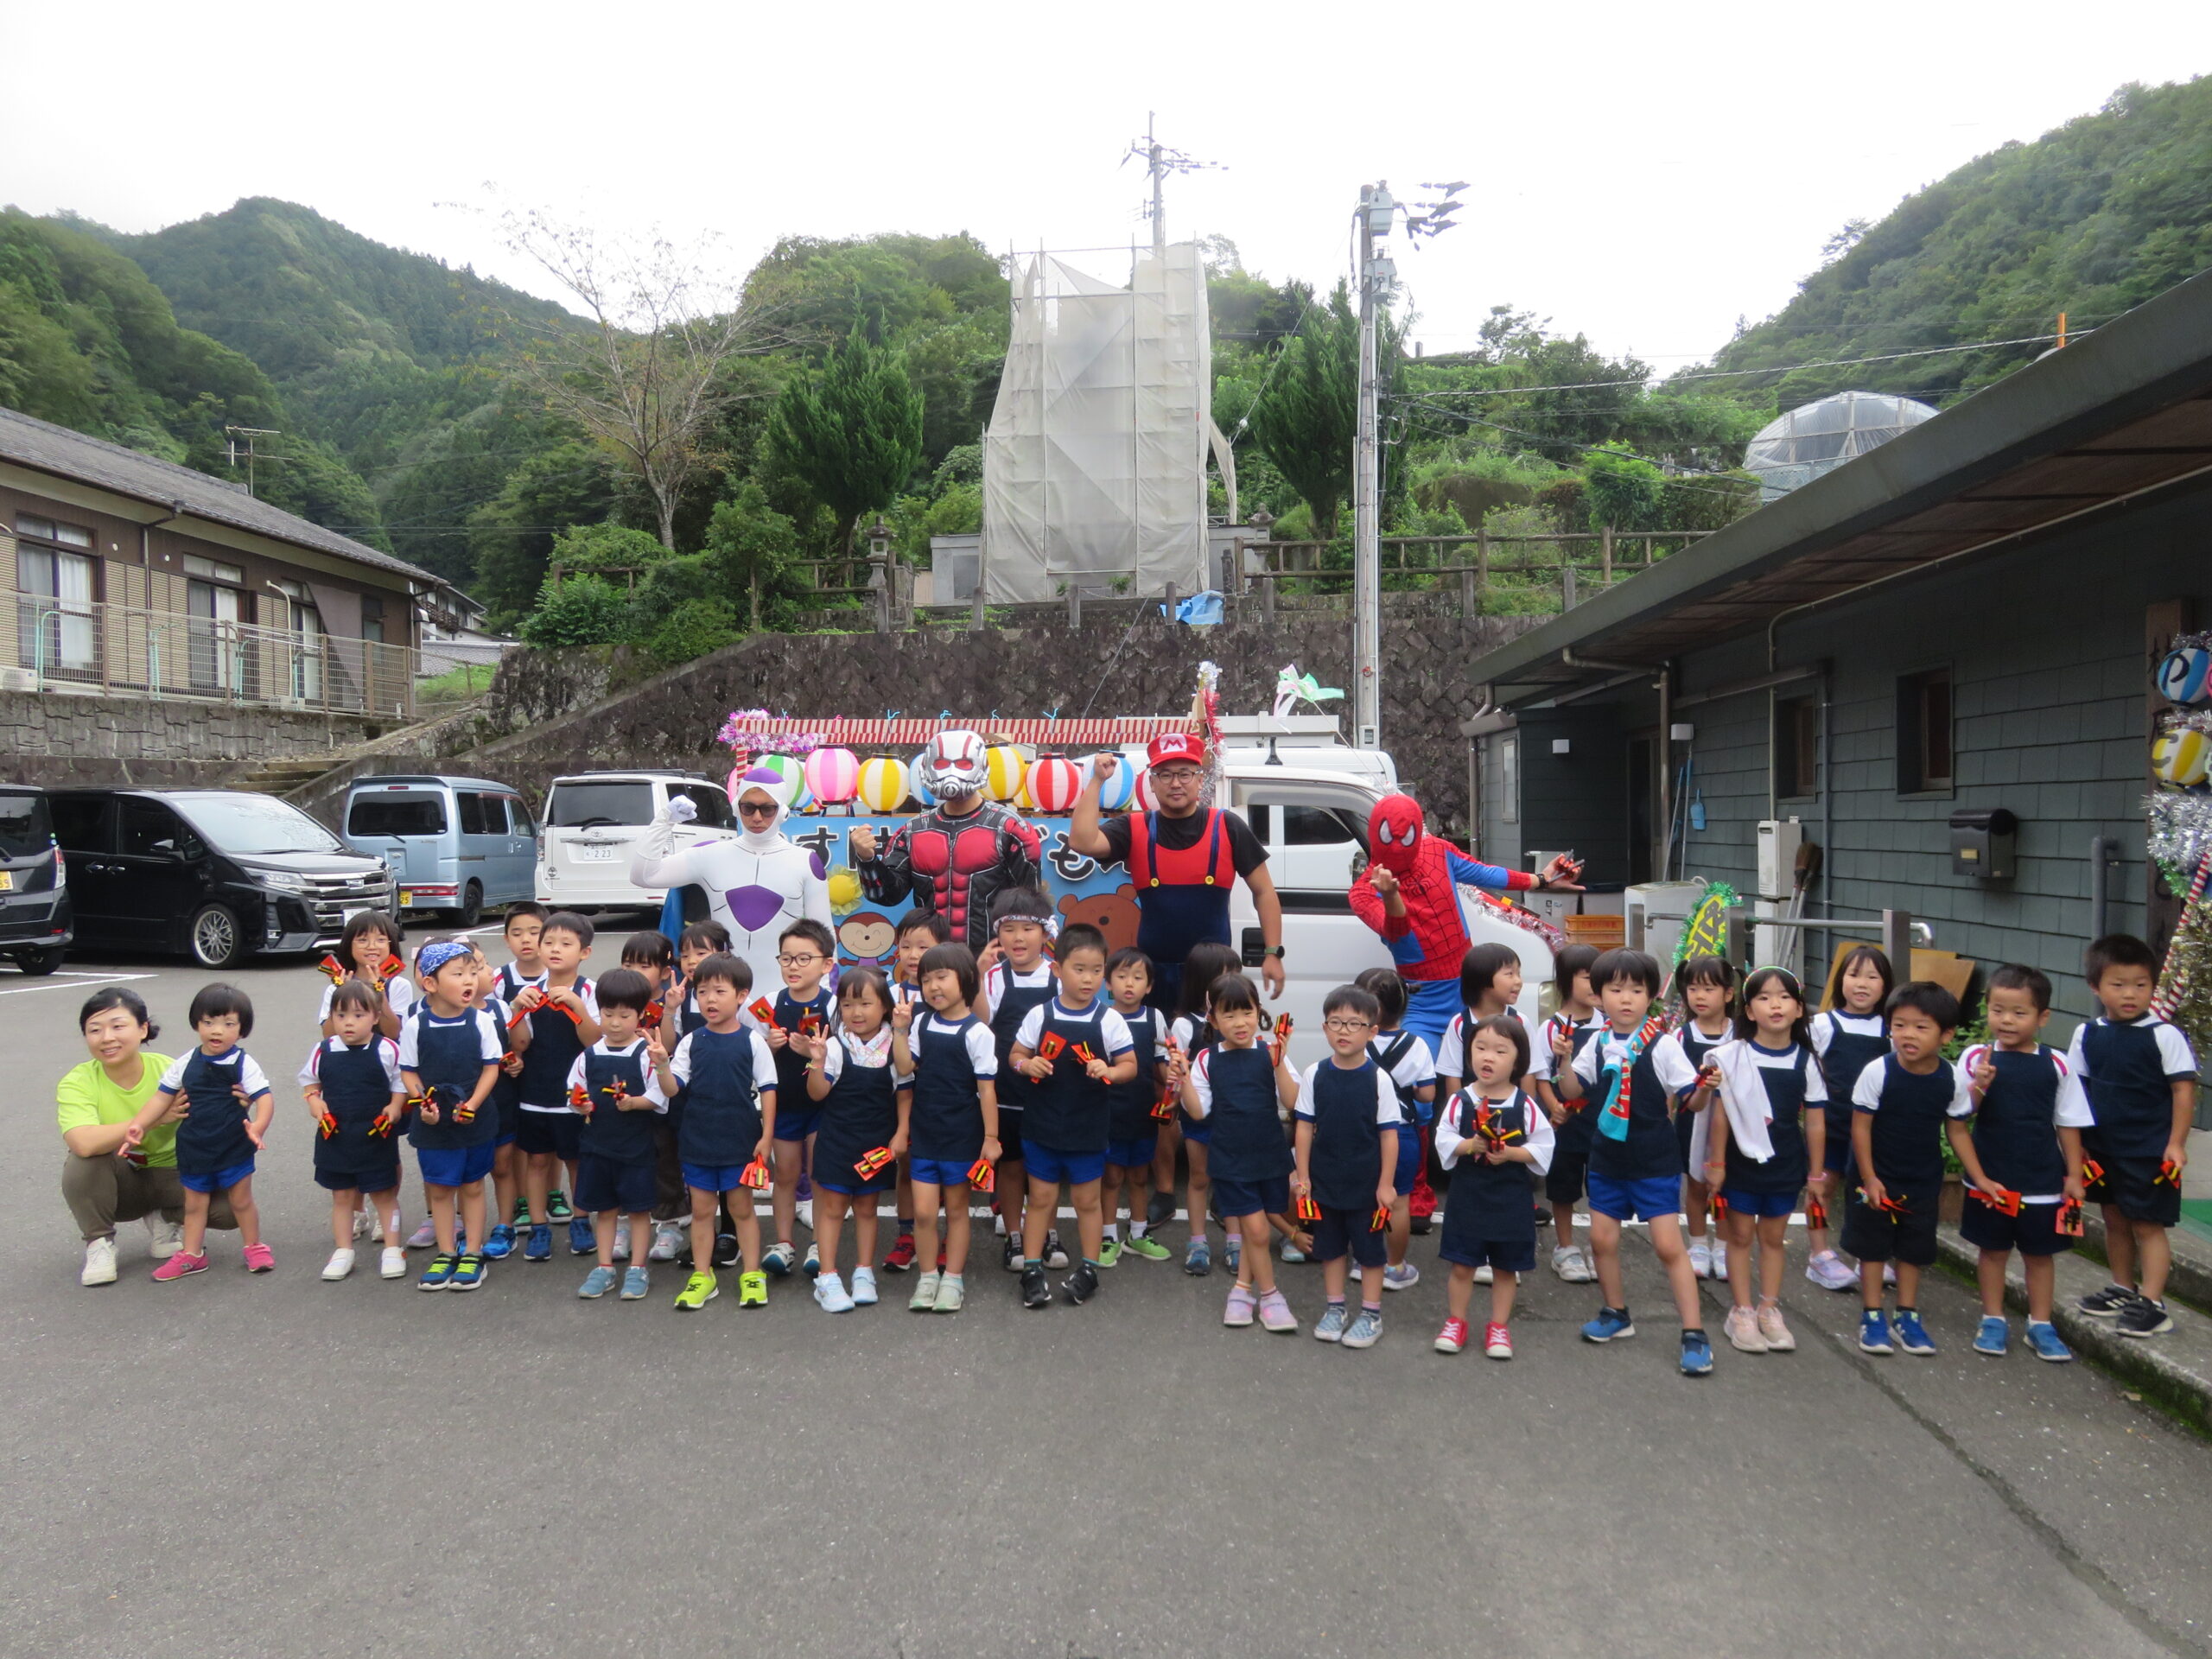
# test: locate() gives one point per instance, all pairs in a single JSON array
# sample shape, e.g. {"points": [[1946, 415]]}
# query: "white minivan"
{"points": [[593, 821]]}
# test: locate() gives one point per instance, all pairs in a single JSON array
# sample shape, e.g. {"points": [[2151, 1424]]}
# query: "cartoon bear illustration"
{"points": [[1114, 915], [868, 936]]}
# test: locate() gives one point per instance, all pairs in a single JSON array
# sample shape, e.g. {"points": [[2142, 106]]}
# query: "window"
{"points": [[209, 570], [212, 636], [1924, 759], [256, 823], [584, 805], [45, 530], [77, 823], [54, 631], [1509, 780], [150, 829], [372, 620], [395, 814], [26, 830], [495, 814], [520, 815], [1317, 826], [714, 806], [1796, 747], [480, 815]]}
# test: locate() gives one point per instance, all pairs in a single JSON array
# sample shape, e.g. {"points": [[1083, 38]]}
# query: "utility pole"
{"points": [[1376, 211], [1158, 162], [249, 433]]}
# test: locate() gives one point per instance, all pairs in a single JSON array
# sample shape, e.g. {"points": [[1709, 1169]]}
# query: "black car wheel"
{"points": [[39, 963], [214, 938], [472, 906]]}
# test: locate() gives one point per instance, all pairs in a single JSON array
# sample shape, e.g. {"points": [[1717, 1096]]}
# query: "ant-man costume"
{"points": [[955, 864]]}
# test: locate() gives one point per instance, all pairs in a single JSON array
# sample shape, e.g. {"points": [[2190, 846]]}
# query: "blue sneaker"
{"points": [[1610, 1323], [1197, 1260], [636, 1282], [1697, 1354], [1329, 1327], [1874, 1332], [581, 1240], [1912, 1336], [468, 1273], [1993, 1335], [501, 1244], [538, 1246], [776, 1259], [2043, 1344], [437, 1275], [597, 1283]]}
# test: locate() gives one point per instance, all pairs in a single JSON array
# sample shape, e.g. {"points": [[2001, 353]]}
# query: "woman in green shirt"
{"points": [[96, 1100]]}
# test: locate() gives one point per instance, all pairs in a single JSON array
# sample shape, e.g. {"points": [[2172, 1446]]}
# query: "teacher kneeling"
{"points": [[96, 1100]]}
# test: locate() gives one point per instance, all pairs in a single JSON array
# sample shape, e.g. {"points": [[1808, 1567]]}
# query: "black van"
{"points": [[216, 874], [34, 917]]}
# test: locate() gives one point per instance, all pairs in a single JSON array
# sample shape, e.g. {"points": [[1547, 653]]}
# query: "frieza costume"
{"points": [[756, 886], [954, 865]]}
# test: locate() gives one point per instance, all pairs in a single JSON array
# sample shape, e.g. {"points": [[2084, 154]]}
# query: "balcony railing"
{"points": [[87, 645]]}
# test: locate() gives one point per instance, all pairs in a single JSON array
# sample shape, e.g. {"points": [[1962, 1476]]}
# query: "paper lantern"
{"points": [[2181, 757], [1054, 782], [792, 771], [1121, 789], [833, 775], [1004, 768], [1143, 798], [2182, 675], [883, 784]]}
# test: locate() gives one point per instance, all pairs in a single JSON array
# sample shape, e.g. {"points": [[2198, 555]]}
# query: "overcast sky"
{"points": [[1644, 174]]}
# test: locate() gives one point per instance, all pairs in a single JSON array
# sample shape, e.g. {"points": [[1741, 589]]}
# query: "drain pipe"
{"points": [[2104, 852]]}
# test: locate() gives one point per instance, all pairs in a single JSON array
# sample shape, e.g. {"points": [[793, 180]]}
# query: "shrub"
{"points": [[692, 629], [585, 611]]}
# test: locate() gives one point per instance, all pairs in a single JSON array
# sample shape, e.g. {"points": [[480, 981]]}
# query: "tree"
{"points": [[755, 546], [851, 431], [1305, 421], [643, 373]]}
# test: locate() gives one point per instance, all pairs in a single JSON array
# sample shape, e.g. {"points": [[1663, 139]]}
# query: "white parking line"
{"points": [[83, 979]]}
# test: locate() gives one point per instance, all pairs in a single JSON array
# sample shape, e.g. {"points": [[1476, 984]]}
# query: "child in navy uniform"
{"points": [[1350, 1125], [1411, 1067], [1070, 1118], [1848, 1039], [450, 1055], [1707, 985], [511, 1209], [1577, 1021], [564, 1022], [651, 953], [619, 1078], [2024, 1154], [1233, 1091], [1490, 1134], [1636, 1163], [2140, 1077], [353, 1088], [950, 1053], [1900, 1102], [806, 953], [1191, 1033], [725, 1084], [228, 1105], [1017, 978], [918, 931], [1133, 1132], [865, 1103]]}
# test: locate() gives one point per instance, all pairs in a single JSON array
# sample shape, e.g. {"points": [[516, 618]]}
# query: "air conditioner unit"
{"points": [[18, 679]]}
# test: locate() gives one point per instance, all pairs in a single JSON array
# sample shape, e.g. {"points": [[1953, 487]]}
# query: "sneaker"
{"points": [[1912, 1336], [365, 1224], [1329, 1327], [830, 1295], [1874, 1333], [1497, 1341], [1152, 1249], [557, 1206], [1036, 1291], [1291, 1254], [1010, 1255], [1992, 1336], [520, 1219], [1611, 1325], [951, 1292], [778, 1259], [1241, 1306], [813, 1265], [460, 1239], [581, 1240], [1110, 1252], [1419, 1225], [1082, 1285], [1404, 1276], [805, 1210], [1453, 1338], [163, 1238], [1700, 1257], [597, 1283], [423, 1237], [752, 1289], [538, 1246], [998, 1224], [1197, 1260], [636, 1281], [394, 1264], [1565, 1260], [2043, 1344], [1697, 1354], [1720, 1263], [1831, 1272], [1055, 1257], [179, 1265], [924, 1294], [2144, 1318], [727, 1251], [1355, 1273], [259, 1258], [468, 1272], [501, 1242], [668, 1241], [698, 1290], [1743, 1330], [1159, 1210], [99, 1261], [1232, 1250], [900, 1257], [437, 1275], [621, 1251], [863, 1286], [1276, 1314], [1485, 1273], [2105, 1304], [1366, 1327], [339, 1265], [1778, 1337]]}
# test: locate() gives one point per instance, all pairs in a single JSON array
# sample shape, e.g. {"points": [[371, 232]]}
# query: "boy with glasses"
{"points": [[804, 952]]}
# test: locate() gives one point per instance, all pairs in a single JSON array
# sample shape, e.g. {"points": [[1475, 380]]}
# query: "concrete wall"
{"points": [[54, 738]]}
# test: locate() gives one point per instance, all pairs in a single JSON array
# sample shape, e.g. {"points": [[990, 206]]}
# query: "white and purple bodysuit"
{"points": [[756, 886]]}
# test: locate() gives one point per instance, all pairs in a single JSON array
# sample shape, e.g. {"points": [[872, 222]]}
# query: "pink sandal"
{"points": [[1241, 1304]]}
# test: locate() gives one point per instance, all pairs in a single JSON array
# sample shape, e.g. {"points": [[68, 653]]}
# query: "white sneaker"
{"points": [[1483, 1274], [167, 1237], [99, 1262], [863, 1287], [1702, 1257], [1565, 1259], [830, 1296], [621, 1241], [340, 1265], [395, 1263], [364, 1222], [806, 1214], [668, 1238], [1830, 1272]]}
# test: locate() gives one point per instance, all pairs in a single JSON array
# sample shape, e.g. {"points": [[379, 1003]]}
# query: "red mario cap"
{"points": [[1176, 746]]}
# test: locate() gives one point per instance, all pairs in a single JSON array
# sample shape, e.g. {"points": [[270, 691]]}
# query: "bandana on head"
{"points": [[1046, 919], [432, 957]]}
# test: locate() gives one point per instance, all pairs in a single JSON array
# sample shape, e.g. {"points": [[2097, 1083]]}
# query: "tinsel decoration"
{"points": [[1504, 910], [1205, 721], [1705, 934], [2178, 833], [2184, 992]]}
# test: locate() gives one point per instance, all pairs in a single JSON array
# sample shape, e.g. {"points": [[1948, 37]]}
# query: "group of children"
{"points": [[664, 1095]]}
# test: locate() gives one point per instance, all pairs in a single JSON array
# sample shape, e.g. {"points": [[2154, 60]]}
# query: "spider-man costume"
{"points": [[956, 866]]}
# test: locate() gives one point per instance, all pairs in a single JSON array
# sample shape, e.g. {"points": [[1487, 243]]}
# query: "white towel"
{"points": [[1742, 1097]]}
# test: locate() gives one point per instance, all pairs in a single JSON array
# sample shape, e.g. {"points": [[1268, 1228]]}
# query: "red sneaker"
{"points": [[902, 1255], [1453, 1338], [179, 1265], [259, 1258], [1498, 1341]]}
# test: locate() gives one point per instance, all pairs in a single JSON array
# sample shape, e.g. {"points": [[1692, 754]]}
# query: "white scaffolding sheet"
{"points": [[1094, 467]]}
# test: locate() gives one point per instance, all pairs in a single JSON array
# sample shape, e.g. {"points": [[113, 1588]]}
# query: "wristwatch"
{"points": [[1275, 950]]}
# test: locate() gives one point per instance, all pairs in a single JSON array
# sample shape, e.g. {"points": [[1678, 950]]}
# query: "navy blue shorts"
{"points": [[1762, 1206], [1010, 1135], [455, 1165], [796, 1126], [561, 1133], [1499, 1255], [602, 1184], [2034, 1231], [939, 1171], [1198, 1129], [1234, 1198], [1134, 1154], [1564, 1180], [1646, 1200], [221, 1180], [1888, 1235], [2132, 1186], [714, 1178], [359, 1180], [1050, 1165], [1348, 1232]]}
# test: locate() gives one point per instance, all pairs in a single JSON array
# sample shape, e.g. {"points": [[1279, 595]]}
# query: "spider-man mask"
{"points": [[1393, 831]]}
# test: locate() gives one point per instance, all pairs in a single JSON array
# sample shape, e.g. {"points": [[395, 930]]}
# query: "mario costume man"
{"points": [[1184, 860], [958, 856]]}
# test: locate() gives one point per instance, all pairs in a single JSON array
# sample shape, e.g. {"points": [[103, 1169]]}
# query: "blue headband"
{"points": [[435, 957]]}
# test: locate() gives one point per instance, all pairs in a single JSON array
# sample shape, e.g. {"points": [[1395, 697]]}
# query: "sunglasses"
{"points": [[757, 809]]}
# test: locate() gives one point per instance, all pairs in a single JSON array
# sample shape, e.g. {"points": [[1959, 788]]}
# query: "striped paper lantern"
{"points": [[1004, 769], [883, 784], [833, 776], [1054, 782], [2181, 757], [1121, 789]]}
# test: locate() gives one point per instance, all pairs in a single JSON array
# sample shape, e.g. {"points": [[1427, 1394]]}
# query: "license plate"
{"points": [[406, 897], [585, 853], [7, 880], [350, 912]]}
